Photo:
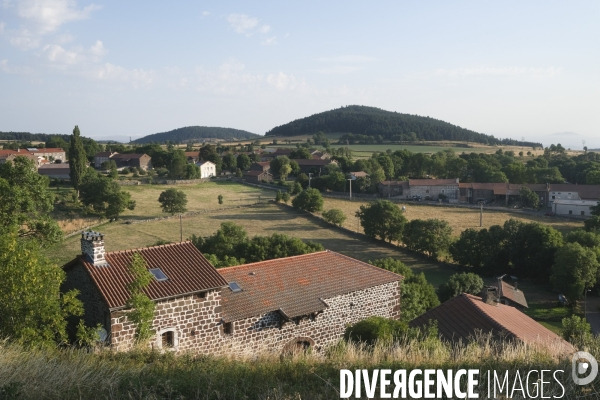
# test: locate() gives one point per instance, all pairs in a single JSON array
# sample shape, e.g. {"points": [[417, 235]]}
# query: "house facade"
{"points": [[276, 305], [258, 176], [208, 169], [102, 157], [581, 208], [143, 161]]}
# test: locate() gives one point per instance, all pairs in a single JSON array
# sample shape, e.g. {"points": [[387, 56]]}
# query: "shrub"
{"points": [[334, 216], [309, 200], [374, 329], [466, 282]]}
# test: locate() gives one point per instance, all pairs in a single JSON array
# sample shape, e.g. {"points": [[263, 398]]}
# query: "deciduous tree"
{"points": [[465, 282], [173, 201], [575, 268], [309, 200], [382, 219], [334, 216]]}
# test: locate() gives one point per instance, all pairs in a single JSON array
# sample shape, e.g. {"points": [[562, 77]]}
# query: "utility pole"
{"points": [[350, 179], [309, 178], [481, 214]]}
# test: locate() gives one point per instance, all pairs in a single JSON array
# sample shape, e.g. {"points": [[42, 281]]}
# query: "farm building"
{"points": [[276, 305], [55, 171], [573, 207], [258, 176], [465, 316]]}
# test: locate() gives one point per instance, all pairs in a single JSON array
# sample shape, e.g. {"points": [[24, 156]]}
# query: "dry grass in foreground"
{"points": [[76, 374], [459, 218]]}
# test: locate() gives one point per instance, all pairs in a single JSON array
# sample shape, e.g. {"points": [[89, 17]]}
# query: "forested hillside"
{"points": [[190, 133], [387, 125], [32, 137]]}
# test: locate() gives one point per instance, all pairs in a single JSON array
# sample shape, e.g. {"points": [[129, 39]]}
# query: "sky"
{"points": [[120, 69]]}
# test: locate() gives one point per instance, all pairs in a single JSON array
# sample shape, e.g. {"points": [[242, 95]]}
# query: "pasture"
{"points": [[459, 218]]}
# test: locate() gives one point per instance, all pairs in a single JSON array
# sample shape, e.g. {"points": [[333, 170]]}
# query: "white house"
{"points": [[207, 169], [573, 207]]}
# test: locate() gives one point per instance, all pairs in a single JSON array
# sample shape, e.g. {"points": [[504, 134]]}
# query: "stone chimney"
{"points": [[489, 295], [92, 247]]}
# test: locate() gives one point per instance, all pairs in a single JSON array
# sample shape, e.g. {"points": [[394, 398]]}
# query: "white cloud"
{"points": [[59, 56], [339, 69], [282, 81], [23, 39], [116, 73], [205, 13], [244, 24], [241, 23], [270, 41], [531, 72], [48, 15], [97, 50]]}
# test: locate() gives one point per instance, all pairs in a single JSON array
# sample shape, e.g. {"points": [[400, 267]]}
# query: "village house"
{"points": [[262, 166], [192, 156], [102, 157], [464, 317], [258, 176], [55, 171], [208, 169], [52, 154], [301, 302], [315, 166], [142, 161]]}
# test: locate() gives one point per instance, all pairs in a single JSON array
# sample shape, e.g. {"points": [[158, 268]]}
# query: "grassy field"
{"points": [[258, 220], [202, 196], [458, 218]]}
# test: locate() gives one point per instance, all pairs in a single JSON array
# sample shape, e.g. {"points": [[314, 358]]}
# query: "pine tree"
{"points": [[77, 159]]}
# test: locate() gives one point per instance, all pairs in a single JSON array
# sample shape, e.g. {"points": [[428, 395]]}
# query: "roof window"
{"points": [[158, 274], [235, 287]]}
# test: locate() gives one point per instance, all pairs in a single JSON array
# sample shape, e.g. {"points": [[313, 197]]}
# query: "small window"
{"points": [[443, 190], [168, 339], [235, 287], [202, 295], [570, 212], [228, 328], [158, 274], [583, 213], [553, 197]]}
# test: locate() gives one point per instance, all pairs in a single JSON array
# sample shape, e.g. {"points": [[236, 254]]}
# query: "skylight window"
{"points": [[235, 287], [158, 274]]}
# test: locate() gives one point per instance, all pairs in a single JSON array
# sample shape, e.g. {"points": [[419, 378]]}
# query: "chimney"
{"points": [[489, 295], [92, 247]]}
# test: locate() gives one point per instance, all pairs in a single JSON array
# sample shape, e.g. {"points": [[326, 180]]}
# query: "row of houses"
{"points": [[39, 156], [279, 305], [562, 198]]}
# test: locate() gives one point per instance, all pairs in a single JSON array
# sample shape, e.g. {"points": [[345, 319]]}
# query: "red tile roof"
{"points": [[512, 294], [296, 285], [360, 174], [185, 267], [586, 192], [432, 182], [465, 315], [128, 156], [315, 162]]}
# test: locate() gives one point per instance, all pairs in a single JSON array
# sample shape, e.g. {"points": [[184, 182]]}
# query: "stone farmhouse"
{"points": [[143, 161], [277, 305]]}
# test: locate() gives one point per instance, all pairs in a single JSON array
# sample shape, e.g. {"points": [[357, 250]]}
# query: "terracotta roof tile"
{"points": [[185, 267], [316, 162], [513, 294], [296, 285], [463, 316], [432, 182]]}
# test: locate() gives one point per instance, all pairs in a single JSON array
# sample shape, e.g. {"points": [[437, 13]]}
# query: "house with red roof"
{"points": [[466, 316], [275, 305]]}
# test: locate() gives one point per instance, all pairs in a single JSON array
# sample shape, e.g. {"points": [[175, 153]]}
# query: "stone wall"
{"points": [[197, 326], [94, 307]]}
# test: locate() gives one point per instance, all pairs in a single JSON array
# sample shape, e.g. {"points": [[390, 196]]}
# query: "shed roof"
{"points": [[513, 294], [296, 285]]}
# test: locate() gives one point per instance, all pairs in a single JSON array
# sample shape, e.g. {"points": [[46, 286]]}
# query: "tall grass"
{"points": [[78, 374]]}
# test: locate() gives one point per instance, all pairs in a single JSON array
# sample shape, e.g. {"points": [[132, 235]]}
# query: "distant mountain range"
{"points": [[193, 133], [371, 121]]}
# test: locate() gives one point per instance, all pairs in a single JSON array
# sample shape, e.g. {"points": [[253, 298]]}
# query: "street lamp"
{"points": [[309, 178]]}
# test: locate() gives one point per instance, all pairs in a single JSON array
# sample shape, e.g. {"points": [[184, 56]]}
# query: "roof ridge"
{"points": [[272, 260], [472, 299], [137, 249], [365, 263]]}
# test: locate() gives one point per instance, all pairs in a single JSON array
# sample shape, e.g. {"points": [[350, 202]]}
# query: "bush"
{"points": [[309, 200], [592, 224], [374, 329], [431, 237], [285, 196], [334, 216], [576, 331], [466, 282]]}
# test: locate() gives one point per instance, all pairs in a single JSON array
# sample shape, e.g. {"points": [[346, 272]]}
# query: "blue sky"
{"points": [[131, 68]]}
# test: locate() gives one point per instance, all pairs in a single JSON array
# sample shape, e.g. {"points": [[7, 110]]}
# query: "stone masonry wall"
{"points": [[197, 327], [95, 310]]}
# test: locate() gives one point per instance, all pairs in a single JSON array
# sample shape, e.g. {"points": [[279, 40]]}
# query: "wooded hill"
{"points": [[390, 126], [192, 133], [32, 137]]}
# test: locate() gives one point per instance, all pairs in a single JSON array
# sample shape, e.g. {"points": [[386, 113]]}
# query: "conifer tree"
{"points": [[77, 159]]}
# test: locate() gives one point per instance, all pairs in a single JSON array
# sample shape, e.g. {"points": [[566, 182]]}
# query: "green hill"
{"points": [[191, 133], [390, 126]]}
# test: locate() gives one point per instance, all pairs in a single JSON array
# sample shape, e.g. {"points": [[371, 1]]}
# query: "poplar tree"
{"points": [[77, 159]]}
